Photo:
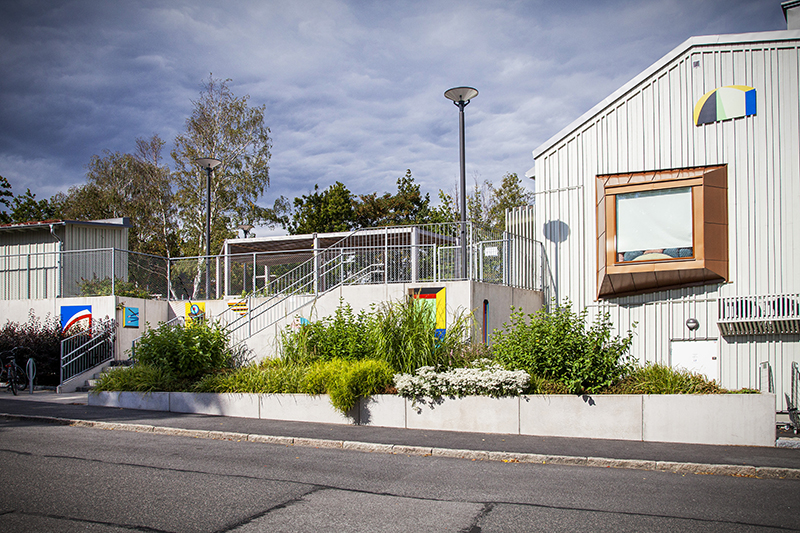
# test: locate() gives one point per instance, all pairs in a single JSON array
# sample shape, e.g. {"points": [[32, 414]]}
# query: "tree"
{"points": [[511, 193], [130, 185], [407, 206], [224, 127], [322, 212], [5, 200], [26, 207]]}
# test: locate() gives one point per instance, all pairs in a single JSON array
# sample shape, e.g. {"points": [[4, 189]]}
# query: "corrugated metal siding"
{"points": [[28, 269], [650, 127]]}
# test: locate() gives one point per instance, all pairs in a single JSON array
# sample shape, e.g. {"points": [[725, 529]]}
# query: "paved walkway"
{"points": [[768, 462]]}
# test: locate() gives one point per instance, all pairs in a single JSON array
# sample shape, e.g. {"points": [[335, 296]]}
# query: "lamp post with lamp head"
{"points": [[209, 164], [461, 96]]}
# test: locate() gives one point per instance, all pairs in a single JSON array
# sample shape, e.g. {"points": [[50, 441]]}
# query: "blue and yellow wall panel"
{"points": [[723, 103]]}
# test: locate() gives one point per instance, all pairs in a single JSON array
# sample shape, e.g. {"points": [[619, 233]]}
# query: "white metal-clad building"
{"points": [[29, 268], [678, 198]]}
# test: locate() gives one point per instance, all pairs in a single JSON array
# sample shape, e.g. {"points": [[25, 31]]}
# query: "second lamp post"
{"points": [[461, 97]]}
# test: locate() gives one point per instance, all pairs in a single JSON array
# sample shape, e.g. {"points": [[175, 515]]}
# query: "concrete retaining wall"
{"points": [[728, 419]]}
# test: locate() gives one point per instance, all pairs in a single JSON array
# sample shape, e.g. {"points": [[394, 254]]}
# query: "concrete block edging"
{"points": [[725, 419]]}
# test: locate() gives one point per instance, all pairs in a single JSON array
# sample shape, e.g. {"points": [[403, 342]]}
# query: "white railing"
{"points": [[759, 315], [87, 349]]}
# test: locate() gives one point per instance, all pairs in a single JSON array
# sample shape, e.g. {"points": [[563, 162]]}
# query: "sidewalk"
{"points": [[777, 462]]}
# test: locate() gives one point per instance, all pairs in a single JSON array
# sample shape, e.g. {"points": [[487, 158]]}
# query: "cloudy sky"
{"points": [[353, 89]]}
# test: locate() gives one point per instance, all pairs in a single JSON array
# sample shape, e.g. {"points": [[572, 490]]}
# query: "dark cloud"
{"points": [[353, 90]]}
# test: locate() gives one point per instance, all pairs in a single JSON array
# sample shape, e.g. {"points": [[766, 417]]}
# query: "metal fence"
{"points": [[400, 254], [87, 349], [98, 272]]}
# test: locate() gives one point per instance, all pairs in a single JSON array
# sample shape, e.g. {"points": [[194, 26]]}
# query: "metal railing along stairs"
{"points": [[87, 349]]}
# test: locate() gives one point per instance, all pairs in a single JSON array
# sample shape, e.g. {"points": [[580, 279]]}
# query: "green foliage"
{"points": [[403, 334], [187, 352], [342, 335], [228, 128], [139, 378], [344, 380], [102, 287], [558, 346], [320, 212], [38, 339], [660, 379]]}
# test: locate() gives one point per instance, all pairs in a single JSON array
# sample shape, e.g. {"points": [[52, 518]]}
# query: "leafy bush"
{"points": [[40, 340], [138, 378], [341, 336], [344, 380], [401, 333], [558, 346], [188, 352], [404, 335], [483, 378], [660, 379]]}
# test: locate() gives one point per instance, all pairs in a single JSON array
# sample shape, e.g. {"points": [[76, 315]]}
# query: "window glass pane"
{"points": [[654, 225]]}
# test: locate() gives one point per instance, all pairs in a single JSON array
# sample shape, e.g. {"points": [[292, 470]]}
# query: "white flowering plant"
{"points": [[482, 378]]}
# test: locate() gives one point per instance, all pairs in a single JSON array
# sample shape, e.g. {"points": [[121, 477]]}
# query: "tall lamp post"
{"points": [[208, 163], [461, 97]]}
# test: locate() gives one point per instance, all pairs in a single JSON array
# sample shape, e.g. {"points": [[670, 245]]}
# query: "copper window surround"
{"points": [[709, 263]]}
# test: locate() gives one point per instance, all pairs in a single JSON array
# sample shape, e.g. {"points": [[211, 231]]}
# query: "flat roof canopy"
{"points": [[278, 250]]}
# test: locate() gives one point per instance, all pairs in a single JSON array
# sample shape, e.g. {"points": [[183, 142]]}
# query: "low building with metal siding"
{"points": [[29, 268], [648, 126]]}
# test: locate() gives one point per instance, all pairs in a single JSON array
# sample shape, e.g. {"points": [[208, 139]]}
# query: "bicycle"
{"points": [[15, 377]]}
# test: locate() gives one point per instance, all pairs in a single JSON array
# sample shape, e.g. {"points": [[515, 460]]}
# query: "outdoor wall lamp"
{"points": [[692, 324]]}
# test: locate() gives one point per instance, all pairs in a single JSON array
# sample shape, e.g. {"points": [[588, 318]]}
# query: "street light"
{"points": [[461, 97], [245, 229], [208, 163]]}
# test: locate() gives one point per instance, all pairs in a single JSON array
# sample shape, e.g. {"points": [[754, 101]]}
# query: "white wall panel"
{"points": [[649, 126]]}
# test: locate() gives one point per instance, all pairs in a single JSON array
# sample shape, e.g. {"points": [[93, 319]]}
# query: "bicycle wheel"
{"points": [[12, 380], [22, 378]]}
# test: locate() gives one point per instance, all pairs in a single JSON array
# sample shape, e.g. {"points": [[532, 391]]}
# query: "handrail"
{"points": [[98, 348]]}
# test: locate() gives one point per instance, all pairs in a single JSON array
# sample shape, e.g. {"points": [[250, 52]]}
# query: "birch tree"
{"points": [[226, 128]]}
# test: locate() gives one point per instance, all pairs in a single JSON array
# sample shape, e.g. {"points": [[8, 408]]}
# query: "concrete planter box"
{"points": [[738, 419], [147, 401], [304, 408], [471, 413], [598, 417], [230, 404]]}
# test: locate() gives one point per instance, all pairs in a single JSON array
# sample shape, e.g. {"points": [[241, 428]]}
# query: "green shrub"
{"points": [[401, 333], [344, 380], [139, 378], [188, 352], [558, 346], [37, 339], [271, 376], [340, 336], [660, 379], [404, 335]]}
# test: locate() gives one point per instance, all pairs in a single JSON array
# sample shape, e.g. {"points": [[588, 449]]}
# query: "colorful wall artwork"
{"points": [[195, 311], [75, 318], [238, 307], [131, 317], [731, 101], [434, 299]]}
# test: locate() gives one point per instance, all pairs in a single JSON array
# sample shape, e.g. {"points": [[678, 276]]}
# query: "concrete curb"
{"points": [[763, 472]]}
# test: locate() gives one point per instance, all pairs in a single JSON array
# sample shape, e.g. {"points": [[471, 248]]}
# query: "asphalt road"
{"points": [[62, 478]]}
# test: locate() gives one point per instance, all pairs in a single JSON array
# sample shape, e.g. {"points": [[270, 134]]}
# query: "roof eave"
{"points": [[692, 42]]}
